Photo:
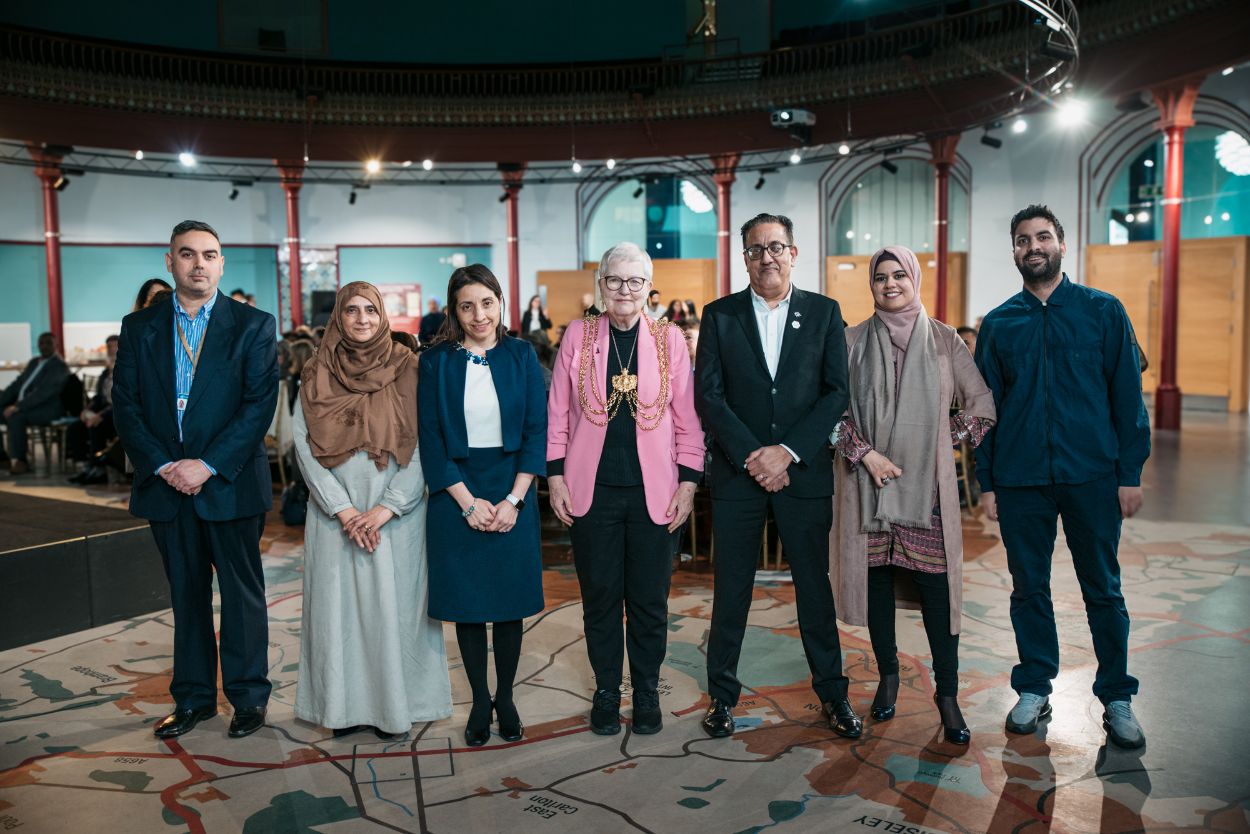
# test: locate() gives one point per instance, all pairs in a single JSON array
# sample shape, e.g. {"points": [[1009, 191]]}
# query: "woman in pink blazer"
{"points": [[624, 452]]}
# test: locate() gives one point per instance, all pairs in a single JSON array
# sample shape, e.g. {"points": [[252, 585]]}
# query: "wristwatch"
{"points": [[519, 503]]}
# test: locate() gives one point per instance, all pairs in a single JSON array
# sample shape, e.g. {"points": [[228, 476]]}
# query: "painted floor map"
{"points": [[77, 753]]}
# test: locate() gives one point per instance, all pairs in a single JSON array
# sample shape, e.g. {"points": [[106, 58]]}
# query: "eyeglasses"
{"points": [[615, 282], [775, 249]]}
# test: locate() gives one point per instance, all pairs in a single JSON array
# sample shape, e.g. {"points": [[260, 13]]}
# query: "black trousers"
{"points": [[935, 610], [81, 441], [624, 558], [803, 524], [190, 549]]}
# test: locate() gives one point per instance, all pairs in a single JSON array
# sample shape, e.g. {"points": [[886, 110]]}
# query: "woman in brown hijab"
{"points": [[370, 658]]}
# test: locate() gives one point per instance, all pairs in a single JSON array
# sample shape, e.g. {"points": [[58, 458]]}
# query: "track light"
{"points": [[844, 149], [991, 141], [139, 155], [234, 194], [427, 164], [373, 166], [1019, 125], [759, 183], [187, 159], [351, 198], [576, 167], [638, 191], [795, 158], [61, 183], [1054, 47], [611, 163], [503, 198], [889, 166]]}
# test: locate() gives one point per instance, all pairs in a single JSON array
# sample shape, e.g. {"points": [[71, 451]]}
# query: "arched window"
{"points": [[882, 208], [672, 215], [1216, 190]]}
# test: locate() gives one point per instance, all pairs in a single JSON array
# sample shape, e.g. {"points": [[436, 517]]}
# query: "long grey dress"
{"points": [[369, 653]]}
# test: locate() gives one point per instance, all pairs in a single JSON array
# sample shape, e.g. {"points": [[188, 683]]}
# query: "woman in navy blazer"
{"points": [[482, 425]]}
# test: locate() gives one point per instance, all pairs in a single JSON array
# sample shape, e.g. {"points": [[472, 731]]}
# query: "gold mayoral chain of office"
{"points": [[624, 385]]}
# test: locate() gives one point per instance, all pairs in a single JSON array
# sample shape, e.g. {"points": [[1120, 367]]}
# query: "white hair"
{"points": [[624, 251]]}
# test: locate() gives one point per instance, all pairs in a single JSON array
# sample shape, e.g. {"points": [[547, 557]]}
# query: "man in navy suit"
{"points": [[194, 391]]}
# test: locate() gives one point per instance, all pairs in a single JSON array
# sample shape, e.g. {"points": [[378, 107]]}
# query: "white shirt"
{"points": [[481, 408], [655, 313], [772, 326], [771, 322]]}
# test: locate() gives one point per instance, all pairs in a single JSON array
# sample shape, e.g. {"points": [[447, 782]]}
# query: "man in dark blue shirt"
{"points": [[1071, 439]]}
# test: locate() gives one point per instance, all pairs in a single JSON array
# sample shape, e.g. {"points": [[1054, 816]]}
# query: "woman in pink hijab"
{"points": [[897, 533]]}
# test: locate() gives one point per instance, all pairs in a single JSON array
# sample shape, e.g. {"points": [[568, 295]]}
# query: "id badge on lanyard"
{"points": [[183, 396]]}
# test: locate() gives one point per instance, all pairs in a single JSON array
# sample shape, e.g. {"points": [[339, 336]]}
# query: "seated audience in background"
{"points": [[147, 291], [654, 309], [534, 321], [676, 312], [318, 334], [431, 322], [406, 339], [691, 331], [560, 335], [87, 437], [284, 357], [692, 313], [969, 335], [302, 351], [33, 399], [238, 295], [588, 305]]}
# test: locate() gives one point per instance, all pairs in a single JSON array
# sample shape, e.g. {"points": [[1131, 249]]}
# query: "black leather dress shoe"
{"points": [[182, 721], [842, 719], [605, 713], [883, 704], [510, 726], [718, 721], [477, 728], [246, 721]]}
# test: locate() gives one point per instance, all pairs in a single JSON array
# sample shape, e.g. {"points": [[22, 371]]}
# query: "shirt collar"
{"points": [[206, 310], [758, 302], [1057, 297]]}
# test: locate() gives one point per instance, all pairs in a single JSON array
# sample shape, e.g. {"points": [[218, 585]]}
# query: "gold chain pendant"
{"points": [[624, 384]]}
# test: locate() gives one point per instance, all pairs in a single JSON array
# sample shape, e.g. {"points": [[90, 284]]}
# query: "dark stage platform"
{"points": [[68, 566]]}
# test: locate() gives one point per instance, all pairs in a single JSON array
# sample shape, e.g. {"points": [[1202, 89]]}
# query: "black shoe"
{"points": [[344, 732], [385, 736], [246, 721], [884, 701], [842, 719], [718, 721], [182, 721], [647, 716], [510, 727], [605, 715], [93, 476], [953, 726], [477, 728]]}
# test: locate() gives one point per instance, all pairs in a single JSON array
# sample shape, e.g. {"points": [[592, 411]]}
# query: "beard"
{"points": [[1042, 273]]}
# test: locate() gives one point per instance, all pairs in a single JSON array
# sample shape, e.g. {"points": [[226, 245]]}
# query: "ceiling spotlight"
{"points": [[991, 141], [1225, 216], [234, 194], [795, 159], [1128, 218], [1143, 217], [61, 183], [503, 198], [850, 234], [139, 155], [407, 163], [844, 149], [1149, 163], [1019, 126], [577, 167], [638, 191], [867, 236], [305, 157], [1208, 220], [611, 163], [373, 166], [187, 159], [427, 164], [1073, 112], [759, 183], [351, 198], [889, 166], [1227, 71]]}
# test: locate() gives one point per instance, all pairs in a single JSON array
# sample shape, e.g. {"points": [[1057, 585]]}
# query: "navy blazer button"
{"points": [[774, 390]]}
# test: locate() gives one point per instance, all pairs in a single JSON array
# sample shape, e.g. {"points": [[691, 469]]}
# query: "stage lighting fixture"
{"points": [[889, 166], [1225, 216], [1128, 218], [1019, 126], [795, 159], [1208, 219], [1054, 47], [1149, 163], [759, 183], [1072, 112], [187, 159], [351, 198], [61, 183], [850, 234], [991, 141], [503, 198], [234, 194], [611, 163], [638, 191], [844, 149], [1227, 71], [427, 164], [139, 155], [1143, 217], [576, 167], [407, 163], [373, 166]]}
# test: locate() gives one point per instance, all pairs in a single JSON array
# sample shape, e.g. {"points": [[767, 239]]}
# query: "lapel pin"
{"points": [[795, 324], [797, 314]]}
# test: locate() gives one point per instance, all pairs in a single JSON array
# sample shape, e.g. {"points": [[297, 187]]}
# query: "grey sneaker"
{"points": [[1027, 712], [1121, 725]]}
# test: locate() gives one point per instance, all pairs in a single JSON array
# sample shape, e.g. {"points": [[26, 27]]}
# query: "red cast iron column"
{"points": [[724, 166], [292, 180], [943, 157], [49, 173], [513, 173]]}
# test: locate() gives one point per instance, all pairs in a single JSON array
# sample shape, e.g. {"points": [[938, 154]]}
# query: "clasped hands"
{"points": [[187, 475], [364, 528], [769, 466], [490, 518]]}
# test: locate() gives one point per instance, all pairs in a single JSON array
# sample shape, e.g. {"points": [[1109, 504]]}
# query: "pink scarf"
{"points": [[900, 322]]}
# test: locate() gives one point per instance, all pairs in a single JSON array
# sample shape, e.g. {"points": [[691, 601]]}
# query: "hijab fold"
{"points": [[895, 403], [360, 396]]}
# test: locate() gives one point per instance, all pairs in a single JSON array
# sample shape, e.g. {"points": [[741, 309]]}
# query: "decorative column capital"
{"points": [[47, 161], [1175, 101], [725, 167], [513, 174], [942, 150], [292, 171]]}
